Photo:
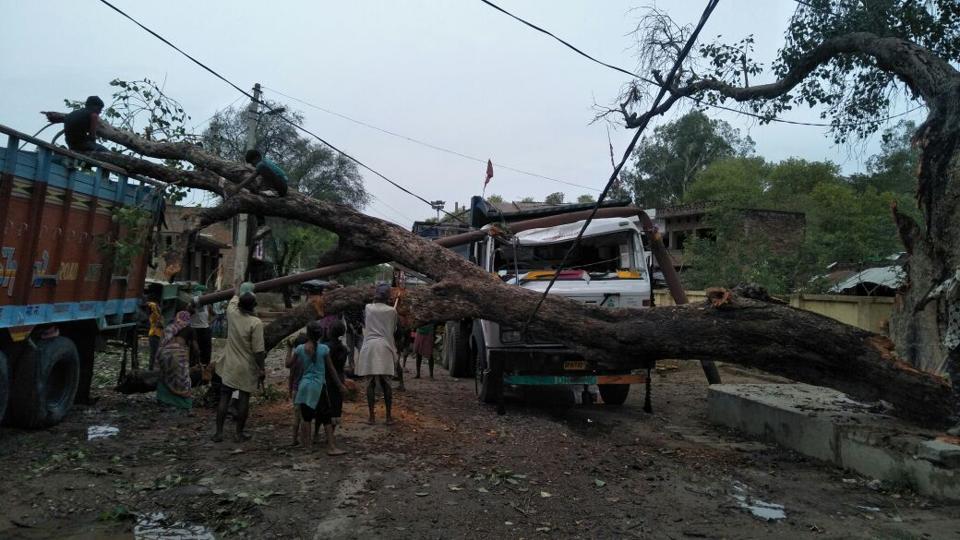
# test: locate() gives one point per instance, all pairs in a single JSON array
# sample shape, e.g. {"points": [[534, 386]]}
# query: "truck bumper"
{"points": [[538, 380], [560, 362]]}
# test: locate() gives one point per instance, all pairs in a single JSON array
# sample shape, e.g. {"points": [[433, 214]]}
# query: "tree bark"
{"points": [[776, 338]]}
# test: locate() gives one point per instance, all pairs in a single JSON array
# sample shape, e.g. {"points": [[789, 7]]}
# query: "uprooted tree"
{"points": [[833, 48]]}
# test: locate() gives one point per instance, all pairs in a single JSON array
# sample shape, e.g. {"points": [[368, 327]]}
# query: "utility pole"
{"points": [[242, 223], [438, 206]]}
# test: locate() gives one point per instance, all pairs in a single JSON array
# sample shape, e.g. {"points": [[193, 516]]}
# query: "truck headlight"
{"points": [[510, 336]]}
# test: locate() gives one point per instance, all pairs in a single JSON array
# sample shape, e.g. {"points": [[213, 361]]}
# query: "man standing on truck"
{"points": [[80, 127], [241, 368], [273, 182]]}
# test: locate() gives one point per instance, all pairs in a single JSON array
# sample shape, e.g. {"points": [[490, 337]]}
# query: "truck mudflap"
{"points": [[538, 380]]}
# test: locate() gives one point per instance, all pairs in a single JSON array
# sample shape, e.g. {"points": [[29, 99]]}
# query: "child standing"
{"points": [[315, 359], [295, 366], [331, 402]]}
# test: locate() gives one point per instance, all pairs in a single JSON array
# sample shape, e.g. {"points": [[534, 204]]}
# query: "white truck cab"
{"points": [[609, 268]]}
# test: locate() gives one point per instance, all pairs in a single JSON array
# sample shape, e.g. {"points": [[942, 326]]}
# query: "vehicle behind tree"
{"points": [[73, 259], [609, 268]]}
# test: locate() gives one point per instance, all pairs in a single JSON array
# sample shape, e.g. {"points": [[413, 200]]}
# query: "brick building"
{"points": [[212, 259], [784, 231]]}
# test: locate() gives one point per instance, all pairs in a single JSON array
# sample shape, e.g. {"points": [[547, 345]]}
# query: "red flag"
{"points": [[489, 173]]}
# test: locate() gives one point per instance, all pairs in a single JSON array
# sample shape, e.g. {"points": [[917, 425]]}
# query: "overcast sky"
{"points": [[455, 74]]}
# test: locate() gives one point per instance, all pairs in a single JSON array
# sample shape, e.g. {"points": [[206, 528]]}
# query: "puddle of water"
{"points": [[155, 526], [759, 509], [101, 432]]}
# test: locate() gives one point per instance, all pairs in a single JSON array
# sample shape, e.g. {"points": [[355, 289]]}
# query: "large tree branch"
{"points": [[184, 151], [924, 72], [775, 338]]}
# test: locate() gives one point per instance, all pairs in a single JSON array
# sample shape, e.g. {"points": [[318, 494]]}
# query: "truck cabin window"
{"points": [[601, 257]]}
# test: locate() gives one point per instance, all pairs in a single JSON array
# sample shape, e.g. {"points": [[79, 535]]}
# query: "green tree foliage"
{"points": [[312, 169], [845, 222], [554, 198], [586, 198], [666, 163], [495, 199], [527, 200]]}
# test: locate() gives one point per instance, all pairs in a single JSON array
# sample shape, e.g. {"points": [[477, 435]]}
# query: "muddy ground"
{"points": [[449, 468]]}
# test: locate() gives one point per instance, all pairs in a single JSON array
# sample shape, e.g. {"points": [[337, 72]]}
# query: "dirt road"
{"points": [[450, 468]]}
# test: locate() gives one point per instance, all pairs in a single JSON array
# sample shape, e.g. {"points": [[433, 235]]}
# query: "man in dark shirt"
{"points": [[273, 177], [80, 127], [274, 182]]}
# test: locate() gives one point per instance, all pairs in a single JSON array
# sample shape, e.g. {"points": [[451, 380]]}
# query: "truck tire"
{"points": [[490, 377], [46, 384], [460, 358], [4, 384], [614, 394]]}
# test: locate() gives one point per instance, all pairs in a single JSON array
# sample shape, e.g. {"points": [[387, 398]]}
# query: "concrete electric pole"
{"points": [[242, 228]]}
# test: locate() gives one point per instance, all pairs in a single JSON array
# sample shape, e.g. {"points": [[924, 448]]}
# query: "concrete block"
{"points": [[827, 425]]}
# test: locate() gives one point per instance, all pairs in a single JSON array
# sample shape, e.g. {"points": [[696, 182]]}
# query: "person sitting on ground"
{"points": [[242, 366], [331, 402], [80, 127], [173, 359], [378, 355], [295, 366], [274, 183]]}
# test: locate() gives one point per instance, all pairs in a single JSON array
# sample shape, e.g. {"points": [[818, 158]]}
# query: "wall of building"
{"points": [[867, 312], [177, 217]]}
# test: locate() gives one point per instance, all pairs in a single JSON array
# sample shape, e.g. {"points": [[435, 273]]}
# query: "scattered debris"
{"points": [[760, 509], [101, 432], [157, 526]]}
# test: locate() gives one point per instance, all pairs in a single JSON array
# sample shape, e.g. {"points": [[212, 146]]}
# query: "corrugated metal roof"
{"points": [[885, 276]]}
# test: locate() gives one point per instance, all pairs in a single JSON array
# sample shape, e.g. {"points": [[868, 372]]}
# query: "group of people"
{"points": [[316, 360]]}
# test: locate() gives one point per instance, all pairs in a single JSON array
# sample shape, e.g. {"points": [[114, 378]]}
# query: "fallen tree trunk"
{"points": [[736, 329]]}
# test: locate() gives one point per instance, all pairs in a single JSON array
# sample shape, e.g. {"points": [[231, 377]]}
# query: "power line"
{"points": [[644, 121], [272, 110], [426, 144], [696, 100]]}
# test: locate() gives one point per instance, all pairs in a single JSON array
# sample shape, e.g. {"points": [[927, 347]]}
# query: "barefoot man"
{"points": [[242, 366]]}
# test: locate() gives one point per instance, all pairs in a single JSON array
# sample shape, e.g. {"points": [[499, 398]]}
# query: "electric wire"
{"points": [[424, 143], [274, 111], [764, 118], [645, 120]]}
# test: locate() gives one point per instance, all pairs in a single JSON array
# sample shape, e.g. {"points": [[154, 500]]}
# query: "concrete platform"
{"points": [[827, 425]]}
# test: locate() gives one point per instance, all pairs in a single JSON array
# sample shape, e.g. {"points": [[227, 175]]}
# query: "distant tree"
{"points": [[312, 169], [894, 169], [842, 224], [554, 198], [527, 200], [732, 181], [586, 198], [495, 199], [666, 163]]}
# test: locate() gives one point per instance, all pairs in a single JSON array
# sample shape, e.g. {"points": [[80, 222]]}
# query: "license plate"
{"points": [[575, 366]]}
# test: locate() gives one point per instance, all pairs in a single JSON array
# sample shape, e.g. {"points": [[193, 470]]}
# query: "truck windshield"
{"points": [[610, 256]]}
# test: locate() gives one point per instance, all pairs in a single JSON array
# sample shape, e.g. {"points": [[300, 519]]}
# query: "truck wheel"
{"points": [[614, 394], [460, 359], [490, 378], [46, 384], [4, 384]]}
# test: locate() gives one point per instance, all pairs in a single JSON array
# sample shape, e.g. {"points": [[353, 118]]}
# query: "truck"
{"points": [[73, 259], [609, 268]]}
